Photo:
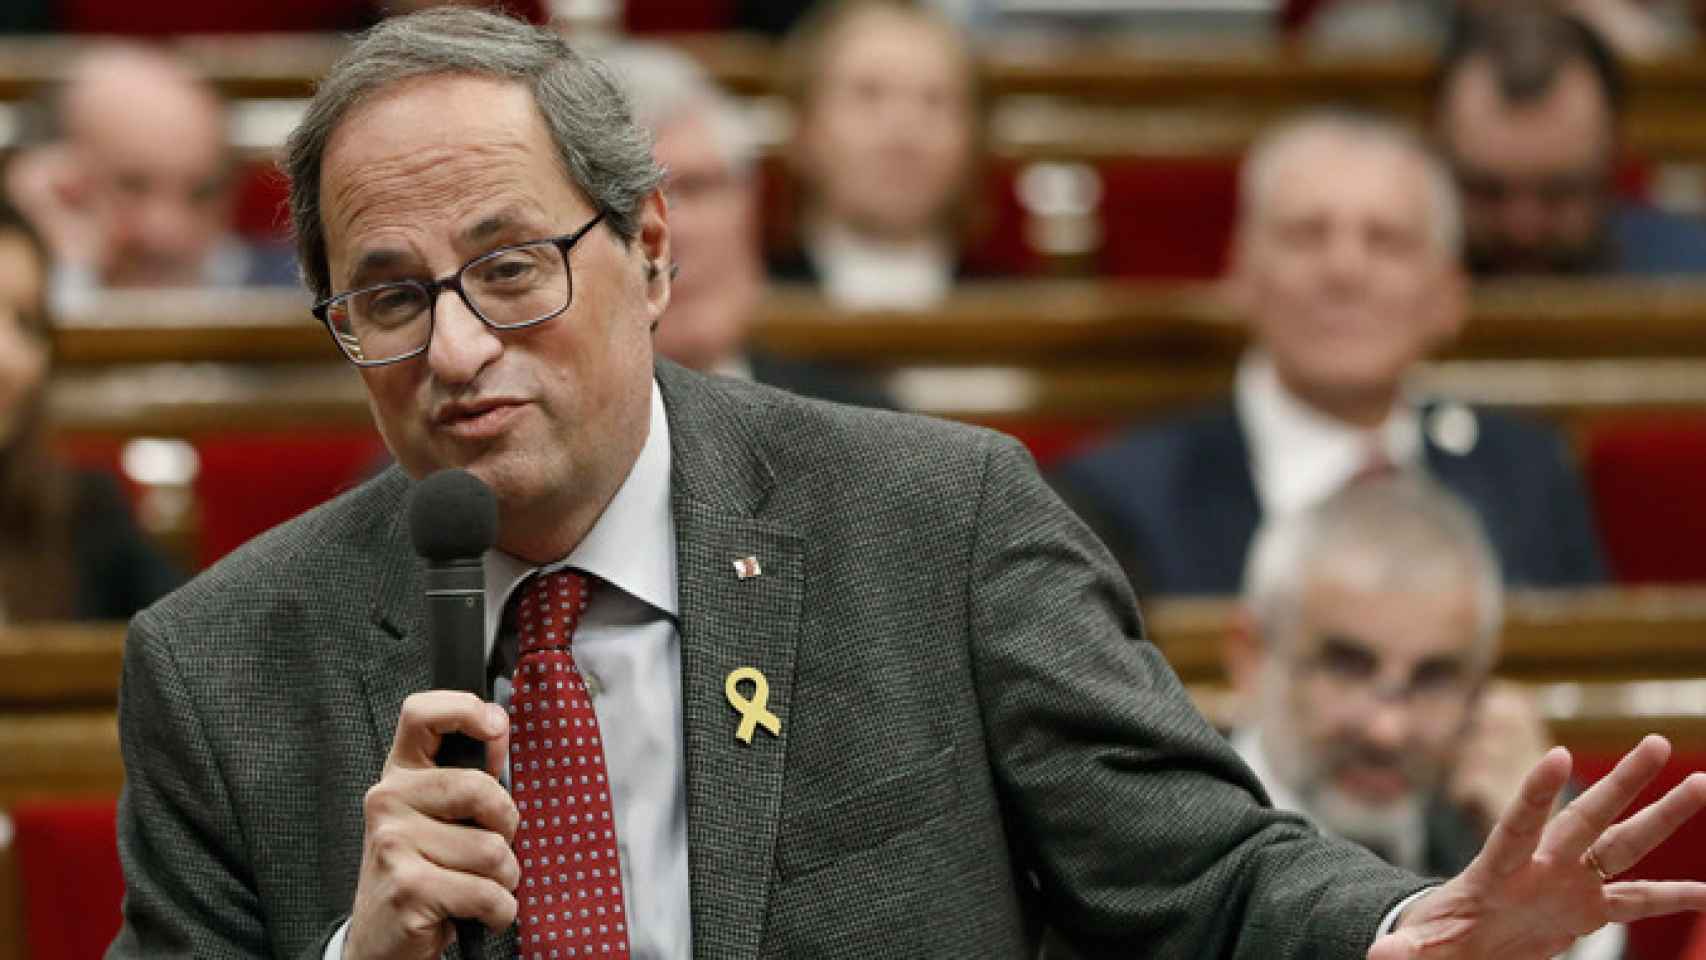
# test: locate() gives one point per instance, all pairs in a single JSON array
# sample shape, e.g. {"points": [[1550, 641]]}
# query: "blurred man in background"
{"points": [[1361, 662], [1529, 109], [134, 187], [885, 139], [1345, 263], [706, 148]]}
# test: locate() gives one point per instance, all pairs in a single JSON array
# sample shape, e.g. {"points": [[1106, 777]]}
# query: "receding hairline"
{"points": [[1275, 152], [810, 50], [1481, 68], [108, 91]]}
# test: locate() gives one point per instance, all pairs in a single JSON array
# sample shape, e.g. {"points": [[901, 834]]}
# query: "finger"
{"points": [[426, 717], [453, 893], [497, 751], [1393, 946], [1629, 842], [446, 794], [1517, 833], [1637, 899], [467, 849], [1591, 814]]}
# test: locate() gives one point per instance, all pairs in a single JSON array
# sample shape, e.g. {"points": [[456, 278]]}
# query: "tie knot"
{"points": [[548, 609]]}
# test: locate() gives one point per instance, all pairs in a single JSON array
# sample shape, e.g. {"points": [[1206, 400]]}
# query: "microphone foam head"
{"points": [[453, 515]]}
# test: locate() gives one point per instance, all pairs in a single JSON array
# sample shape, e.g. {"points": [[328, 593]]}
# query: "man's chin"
{"points": [[1373, 789]]}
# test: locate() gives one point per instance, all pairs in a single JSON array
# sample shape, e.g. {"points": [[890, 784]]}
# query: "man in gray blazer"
{"points": [[860, 684]]}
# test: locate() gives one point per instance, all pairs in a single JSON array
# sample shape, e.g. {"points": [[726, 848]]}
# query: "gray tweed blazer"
{"points": [[979, 750]]}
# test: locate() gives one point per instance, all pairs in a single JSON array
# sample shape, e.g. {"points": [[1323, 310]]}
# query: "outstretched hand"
{"points": [[1539, 884]]}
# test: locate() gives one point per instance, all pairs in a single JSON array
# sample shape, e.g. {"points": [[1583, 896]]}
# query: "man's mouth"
{"points": [[477, 420], [1378, 784]]}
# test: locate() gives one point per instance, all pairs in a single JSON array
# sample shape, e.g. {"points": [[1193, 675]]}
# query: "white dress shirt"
{"points": [[859, 274], [628, 649], [1300, 456]]}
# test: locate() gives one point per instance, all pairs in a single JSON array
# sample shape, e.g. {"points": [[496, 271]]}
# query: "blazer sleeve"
{"points": [[1144, 832], [189, 885]]}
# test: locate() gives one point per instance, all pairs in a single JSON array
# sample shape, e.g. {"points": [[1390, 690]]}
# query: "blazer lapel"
{"points": [[741, 581], [397, 662]]}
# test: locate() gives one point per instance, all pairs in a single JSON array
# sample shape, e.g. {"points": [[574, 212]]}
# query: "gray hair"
{"points": [[603, 151], [1261, 165], [666, 86], [1400, 531]]}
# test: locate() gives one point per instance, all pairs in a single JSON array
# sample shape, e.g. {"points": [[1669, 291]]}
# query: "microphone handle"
{"points": [[456, 625]]}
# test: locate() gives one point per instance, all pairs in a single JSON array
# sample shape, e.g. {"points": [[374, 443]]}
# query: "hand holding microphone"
{"points": [[438, 823]]}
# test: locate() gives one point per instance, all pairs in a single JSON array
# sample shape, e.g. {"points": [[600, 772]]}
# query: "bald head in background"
{"points": [[137, 187]]}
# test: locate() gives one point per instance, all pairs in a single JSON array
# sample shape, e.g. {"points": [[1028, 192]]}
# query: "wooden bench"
{"points": [[254, 360], [1081, 99]]}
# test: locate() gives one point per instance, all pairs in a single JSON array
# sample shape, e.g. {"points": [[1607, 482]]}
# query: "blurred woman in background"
{"points": [[886, 150], [69, 548]]}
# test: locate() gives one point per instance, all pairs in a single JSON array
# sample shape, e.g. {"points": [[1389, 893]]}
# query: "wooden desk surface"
{"points": [[175, 363], [1007, 321], [1611, 634], [1606, 665]]}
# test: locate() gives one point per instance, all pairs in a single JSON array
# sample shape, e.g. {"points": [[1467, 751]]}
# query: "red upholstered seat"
{"points": [[67, 855], [1052, 441], [1168, 218], [127, 17], [1646, 477], [251, 483]]}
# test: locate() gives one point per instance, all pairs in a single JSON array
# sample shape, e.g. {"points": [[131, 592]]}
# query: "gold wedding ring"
{"points": [[1592, 860]]}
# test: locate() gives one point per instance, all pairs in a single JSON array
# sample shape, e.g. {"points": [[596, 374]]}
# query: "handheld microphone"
{"points": [[453, 521]]}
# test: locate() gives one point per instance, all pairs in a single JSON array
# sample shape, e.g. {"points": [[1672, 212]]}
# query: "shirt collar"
{"points": [[632, 544], [1300, 456], [861, 274]]}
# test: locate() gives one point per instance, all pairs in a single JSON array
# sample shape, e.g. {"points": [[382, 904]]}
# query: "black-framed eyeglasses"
{"points": [[514, 286]]}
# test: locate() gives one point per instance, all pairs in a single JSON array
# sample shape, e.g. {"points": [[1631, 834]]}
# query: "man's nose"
{"points": [[462, 345], [1388, 725]]}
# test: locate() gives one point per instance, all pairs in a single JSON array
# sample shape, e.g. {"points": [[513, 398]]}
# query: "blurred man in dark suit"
{"points": [[1345, 264]]}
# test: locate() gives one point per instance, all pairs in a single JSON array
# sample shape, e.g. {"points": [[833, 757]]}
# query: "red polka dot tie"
{"points": [[570, 897]]}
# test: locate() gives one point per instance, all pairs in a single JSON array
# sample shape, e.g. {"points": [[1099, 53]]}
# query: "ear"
{"points": [[1242, 651], [652, 247]]}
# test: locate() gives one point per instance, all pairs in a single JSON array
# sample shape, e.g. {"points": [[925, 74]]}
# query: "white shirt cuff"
{"points": [[1387, 924], [335, 946]]}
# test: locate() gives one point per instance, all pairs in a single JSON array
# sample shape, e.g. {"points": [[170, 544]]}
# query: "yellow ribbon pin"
{"points": [[752, 711]]}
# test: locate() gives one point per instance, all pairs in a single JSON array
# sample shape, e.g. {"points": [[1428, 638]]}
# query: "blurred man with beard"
{"points": [[1345, 265], [1529, 109], [1361, 659]]}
